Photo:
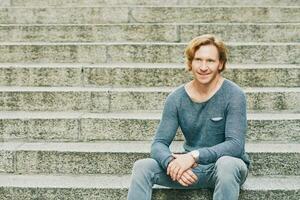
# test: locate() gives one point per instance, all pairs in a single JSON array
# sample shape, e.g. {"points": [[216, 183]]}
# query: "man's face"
{"points": [[206, 64]]}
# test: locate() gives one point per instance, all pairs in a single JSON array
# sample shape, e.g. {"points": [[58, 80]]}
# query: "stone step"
{"points": [[80, 126], [148, 14], [31, 3], [140, 75], [95, 99], [229, 32], [109, 187], [267, 53], [108, 157]]}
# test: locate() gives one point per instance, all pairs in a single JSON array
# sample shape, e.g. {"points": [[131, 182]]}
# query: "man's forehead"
{"points": [[207, 51]]}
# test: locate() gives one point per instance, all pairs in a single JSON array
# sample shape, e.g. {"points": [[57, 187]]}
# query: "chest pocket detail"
{"points": [[216, 122]]}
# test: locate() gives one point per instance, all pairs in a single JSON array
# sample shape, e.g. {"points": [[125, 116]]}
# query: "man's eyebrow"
{"points": [[203, 58]]}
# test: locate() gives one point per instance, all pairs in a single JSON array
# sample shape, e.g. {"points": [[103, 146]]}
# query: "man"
{"points": [[211, 112]]}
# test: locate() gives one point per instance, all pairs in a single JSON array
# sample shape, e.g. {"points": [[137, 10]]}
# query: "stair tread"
{"points": [[133, 147], [126, 115], [128, 89], [143, 43], [118, 182], [139, 65]]}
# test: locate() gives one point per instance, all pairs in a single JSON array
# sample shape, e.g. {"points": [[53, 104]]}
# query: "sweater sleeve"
{"points": [[165, 133], [235, 132]]}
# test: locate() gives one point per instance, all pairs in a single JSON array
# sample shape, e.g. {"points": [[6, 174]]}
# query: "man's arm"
{"points": [[165, 134], [235, 132]]}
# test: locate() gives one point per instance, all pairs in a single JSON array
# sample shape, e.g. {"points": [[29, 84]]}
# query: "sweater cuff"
{"points": [[204, 156], [167, 161]]}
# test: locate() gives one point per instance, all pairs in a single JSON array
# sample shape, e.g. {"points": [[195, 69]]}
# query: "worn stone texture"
{"points": [[97, 76], [137, 101], [214, 14], [117, 129], [64, 162], [149, 2], [100, 102], [81, 193], [40, 76], [121, 194], [140, 76], [47, 101], [275, 163], [29, 162], [51, 53], [277, 101], [149, 32], [149, 77], [276, 195], [273, 130], [92, 2], [7, 162], [239, 2], [288, 53], [63, 15], [9, 193], [145, 53], [243, 32], [274, 77], [39, 129], [89, 33]]}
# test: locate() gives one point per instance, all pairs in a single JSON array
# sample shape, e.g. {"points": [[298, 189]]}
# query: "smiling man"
{"points": [[211, 112]]}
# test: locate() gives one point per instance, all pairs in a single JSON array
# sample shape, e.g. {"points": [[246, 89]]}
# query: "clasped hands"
{"points": [[180, 169]]}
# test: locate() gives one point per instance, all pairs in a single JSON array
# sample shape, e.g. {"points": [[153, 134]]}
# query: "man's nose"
{"points": [[203, 66]]}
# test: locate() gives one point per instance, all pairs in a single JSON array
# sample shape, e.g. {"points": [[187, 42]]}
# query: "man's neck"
{"points": [[207, 89]]}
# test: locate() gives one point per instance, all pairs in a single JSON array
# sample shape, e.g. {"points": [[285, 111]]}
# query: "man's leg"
{"points": [[147, 172], [229, 174]]}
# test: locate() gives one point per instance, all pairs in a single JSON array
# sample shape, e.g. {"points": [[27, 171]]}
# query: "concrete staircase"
{"points": [[83, 82]]}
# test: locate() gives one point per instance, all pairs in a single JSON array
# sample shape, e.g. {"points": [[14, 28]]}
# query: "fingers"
{"points": [[179, 174], [174, 172], [182, 183], [171, 163], [188, 178], [193, 177]]}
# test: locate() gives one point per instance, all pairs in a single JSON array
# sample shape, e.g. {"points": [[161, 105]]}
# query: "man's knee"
{"points": [[143, 167], [229, 168]]}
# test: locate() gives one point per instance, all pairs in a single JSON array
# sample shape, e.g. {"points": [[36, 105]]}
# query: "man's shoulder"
{"points": [[178, 92], [232, 88], [234, 93]]}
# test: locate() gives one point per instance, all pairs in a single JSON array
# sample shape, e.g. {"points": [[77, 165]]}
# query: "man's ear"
{"points": [[221, 65]]}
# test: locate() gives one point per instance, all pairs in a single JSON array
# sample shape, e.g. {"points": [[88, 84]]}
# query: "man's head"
{"points": [[202, 40]]}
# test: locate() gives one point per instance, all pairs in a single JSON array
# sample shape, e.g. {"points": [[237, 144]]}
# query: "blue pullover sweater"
{"points": [[216, 127]]}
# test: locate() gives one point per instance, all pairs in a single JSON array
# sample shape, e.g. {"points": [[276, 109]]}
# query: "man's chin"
{"points": [[205, 81]]}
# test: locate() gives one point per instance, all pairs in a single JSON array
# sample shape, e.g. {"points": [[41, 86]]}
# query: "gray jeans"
{"points": [[225, 176]]}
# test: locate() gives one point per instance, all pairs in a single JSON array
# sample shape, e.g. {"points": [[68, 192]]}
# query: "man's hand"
{"points": [[188, 178], [179, 165]]}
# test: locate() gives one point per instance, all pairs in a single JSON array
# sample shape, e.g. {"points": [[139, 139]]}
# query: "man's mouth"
{"points": [[201, 74]]}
